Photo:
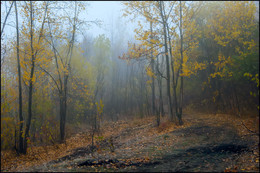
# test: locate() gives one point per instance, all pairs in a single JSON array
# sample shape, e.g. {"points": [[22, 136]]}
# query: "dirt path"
{"points": [[201, 148], [200, 145]]}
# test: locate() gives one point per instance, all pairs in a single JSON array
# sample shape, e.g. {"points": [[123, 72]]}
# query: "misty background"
{"points": [[104, 67]]}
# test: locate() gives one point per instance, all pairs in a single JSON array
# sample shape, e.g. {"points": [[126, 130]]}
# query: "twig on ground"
{"points": [[253, 132]]}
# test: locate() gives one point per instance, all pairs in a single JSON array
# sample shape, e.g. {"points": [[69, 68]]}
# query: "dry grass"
{"points": [[10, 161], [37, 155], [147, 130]]}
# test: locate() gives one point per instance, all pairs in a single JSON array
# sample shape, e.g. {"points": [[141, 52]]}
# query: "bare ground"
{"points": [[206, 143]]}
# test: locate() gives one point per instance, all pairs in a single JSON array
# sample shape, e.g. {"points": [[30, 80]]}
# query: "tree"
{"points": [[20, 144], [234, 40], [181, 70], [165, 23], [33, 54], [166, 17], [63, 65], [102, 63], [183, 50], [149, 41]]}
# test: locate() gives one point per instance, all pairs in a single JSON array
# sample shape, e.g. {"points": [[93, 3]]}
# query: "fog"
{"points": [[73, 65], [108, 13]]}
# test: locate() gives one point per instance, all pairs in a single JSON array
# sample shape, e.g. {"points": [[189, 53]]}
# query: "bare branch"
{"points": [[50, 76], [6, 18]]}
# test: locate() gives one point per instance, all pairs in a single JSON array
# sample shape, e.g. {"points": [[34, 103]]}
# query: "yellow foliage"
{"points": [[149, 82], [221, 67], [149, 72], [233, 23]]}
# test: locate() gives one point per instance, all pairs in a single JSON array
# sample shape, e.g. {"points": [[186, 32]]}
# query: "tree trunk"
{"points": [[152, 64], [181, 70], [167, 63], [65, 81], [62, 125], [159, 80], [141, 94], [20, 145], [64, 108], [173, 73], [28, 122]]}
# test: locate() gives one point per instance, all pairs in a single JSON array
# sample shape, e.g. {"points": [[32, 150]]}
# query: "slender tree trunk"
{"points": [[141, 94], [174, 84], [160, 112], [20, 148], [61, 119], [181, 69], [61, 90], [160, 97], [63, 111], [167, 63], [152, 64], [65, 81], [159, 79], [33, 54], [28, 122]]}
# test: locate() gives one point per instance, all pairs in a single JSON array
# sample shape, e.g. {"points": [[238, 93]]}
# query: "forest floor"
{"points": [[205, 143]]}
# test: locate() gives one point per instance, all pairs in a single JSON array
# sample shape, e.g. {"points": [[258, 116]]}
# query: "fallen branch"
{"points": [[253, 132]]}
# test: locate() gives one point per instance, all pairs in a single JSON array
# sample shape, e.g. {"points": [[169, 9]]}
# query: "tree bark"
{"points": [[20, 145], [152, 64], [62, 132], [179, 115], [167, 62], [65, 81], [175, 101], [159, 80], [28, 122]]}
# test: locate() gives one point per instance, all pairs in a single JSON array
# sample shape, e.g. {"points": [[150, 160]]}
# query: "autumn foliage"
{"points": [[60, 92]]}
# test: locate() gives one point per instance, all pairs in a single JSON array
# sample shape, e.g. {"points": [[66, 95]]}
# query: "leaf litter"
{"points": [[204, 143]]}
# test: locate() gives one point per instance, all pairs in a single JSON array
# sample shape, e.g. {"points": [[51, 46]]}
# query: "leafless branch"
{"points": [[6, 18]]}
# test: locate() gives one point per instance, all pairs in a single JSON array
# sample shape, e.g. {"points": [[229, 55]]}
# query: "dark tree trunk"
{"points": [[152, 64], [62, 125], [28, 122], [159, 81], [179, 115], [65, 84], [63, 111], [167, 62], [20, 140], [173, 73]]}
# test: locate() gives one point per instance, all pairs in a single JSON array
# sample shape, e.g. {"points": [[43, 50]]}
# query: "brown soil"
{"points": [[204, 143]]}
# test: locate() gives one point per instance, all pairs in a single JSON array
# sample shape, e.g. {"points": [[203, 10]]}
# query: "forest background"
{"points": [[185, 56]]}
